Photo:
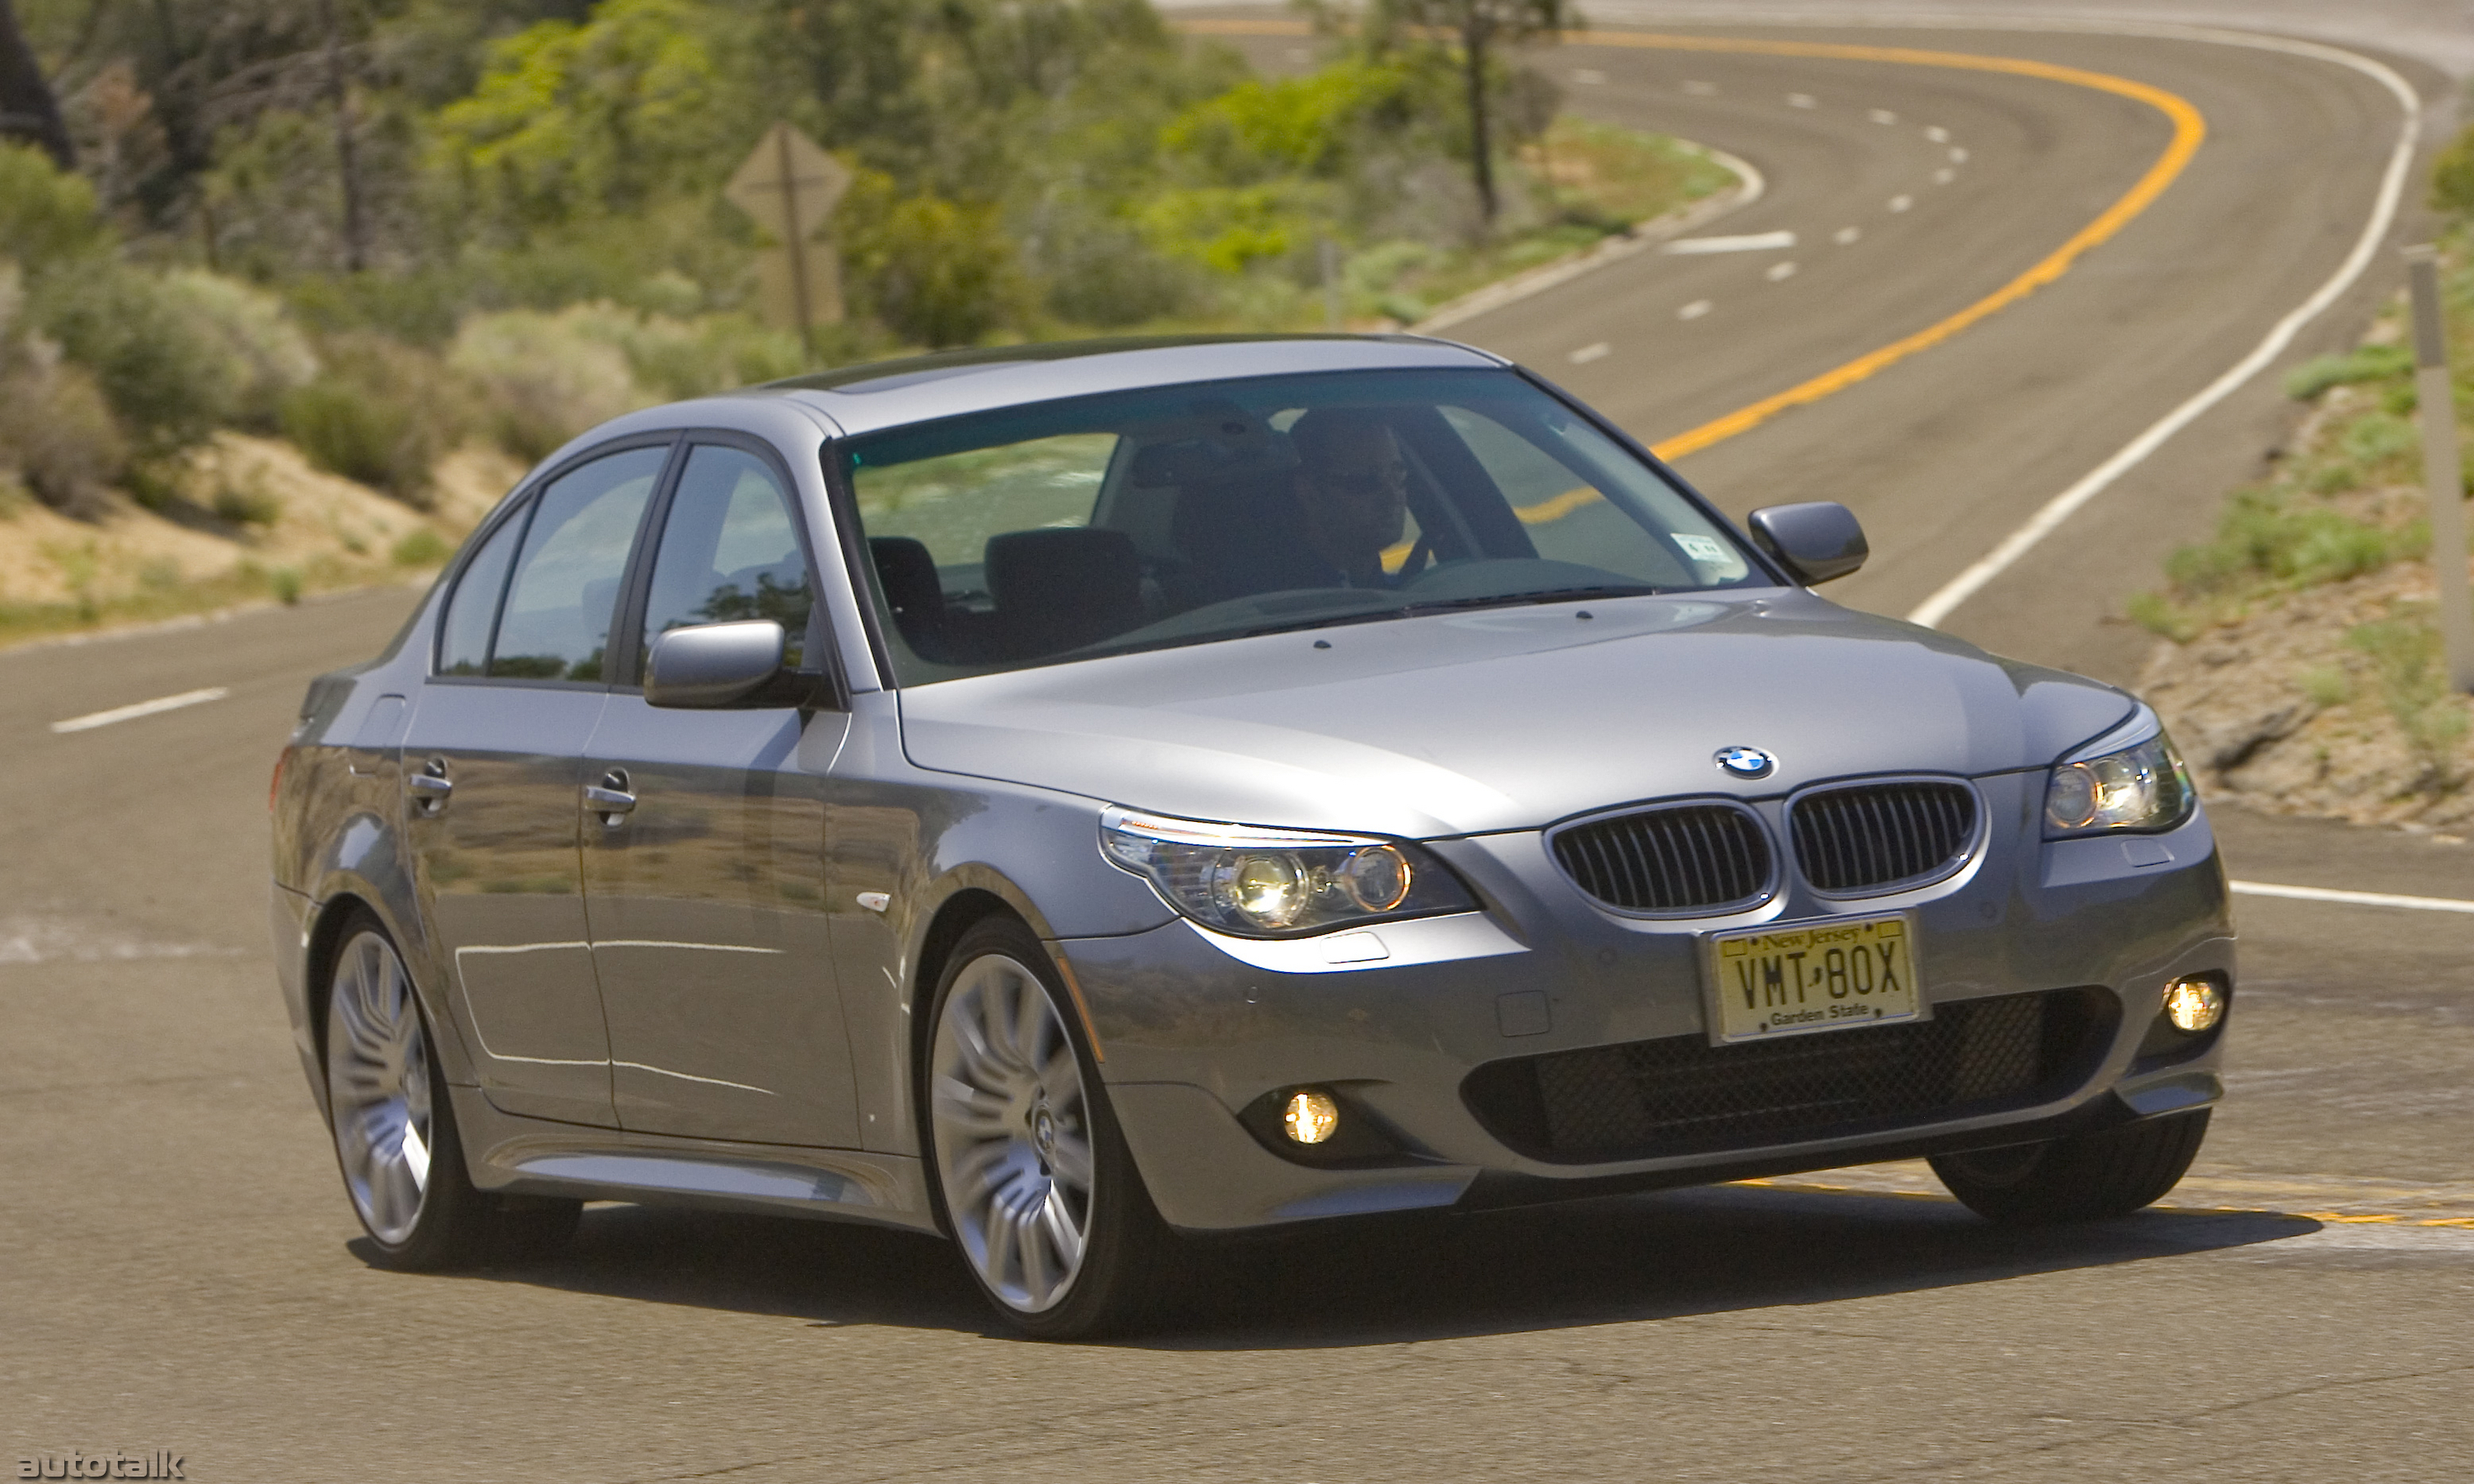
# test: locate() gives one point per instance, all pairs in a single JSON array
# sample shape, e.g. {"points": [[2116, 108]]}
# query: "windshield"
{"points": [[1187, 514]]}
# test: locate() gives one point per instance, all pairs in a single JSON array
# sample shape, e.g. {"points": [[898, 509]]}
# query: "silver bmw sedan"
{"points": [[1077, 800]]}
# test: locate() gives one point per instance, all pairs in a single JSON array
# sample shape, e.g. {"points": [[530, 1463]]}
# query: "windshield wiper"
{"points": [[1546, 595]]}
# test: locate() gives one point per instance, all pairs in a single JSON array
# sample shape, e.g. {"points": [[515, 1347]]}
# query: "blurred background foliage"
{"points": [[383, 227]]}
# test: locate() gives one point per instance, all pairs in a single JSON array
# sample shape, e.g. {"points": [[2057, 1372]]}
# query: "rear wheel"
{"points": [[395, 1128], [2083, 1177], [1036, 1185]]}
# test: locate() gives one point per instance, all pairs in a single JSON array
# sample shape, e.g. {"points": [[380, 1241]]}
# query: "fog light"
{"points": [[1311, 1117], [2194, 1005]]}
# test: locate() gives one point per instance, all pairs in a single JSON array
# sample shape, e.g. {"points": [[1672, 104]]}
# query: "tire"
{"points": [[2084, 1177], [1028, 1169], [393, 1126]]}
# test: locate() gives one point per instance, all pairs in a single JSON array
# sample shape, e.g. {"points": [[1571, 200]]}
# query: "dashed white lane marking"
{"points": [[1902, 203], [2350, 898], [1957, 155], [1937, 134], [1695, 309], [1591, 353], [1800, 101], [1882, 116], [1589, 76], [124, 713], [1702, 90], [1780, 273], [1754, 242], [1846, 234], [1944, 175]]}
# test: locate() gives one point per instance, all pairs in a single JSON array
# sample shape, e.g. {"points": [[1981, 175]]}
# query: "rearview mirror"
{"points": [[1815, 541], [714, 664]]}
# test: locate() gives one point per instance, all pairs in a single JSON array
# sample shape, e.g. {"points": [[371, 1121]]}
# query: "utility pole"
{"points": [[2442, 468], [348, 156]]}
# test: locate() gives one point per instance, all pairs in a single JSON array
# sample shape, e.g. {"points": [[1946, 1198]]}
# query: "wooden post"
{"points": [[2442, 468]]}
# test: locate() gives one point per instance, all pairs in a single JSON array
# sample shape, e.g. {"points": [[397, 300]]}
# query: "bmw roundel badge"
{"points": [[1746, 762]]}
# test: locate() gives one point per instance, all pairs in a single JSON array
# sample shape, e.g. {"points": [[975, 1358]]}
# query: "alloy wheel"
{"points": [[377, 1087], [1012, 1124]]}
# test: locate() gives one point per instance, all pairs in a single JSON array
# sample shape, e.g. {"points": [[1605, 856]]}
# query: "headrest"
{"points": [[1216, 440]]}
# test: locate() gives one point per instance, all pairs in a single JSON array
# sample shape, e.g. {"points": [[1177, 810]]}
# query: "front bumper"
{"points": [[1196, 1027]]}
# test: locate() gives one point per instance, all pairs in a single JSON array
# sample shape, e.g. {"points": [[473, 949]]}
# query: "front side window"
{"points": [[556, 624], [730, 550], [1186, 514]]}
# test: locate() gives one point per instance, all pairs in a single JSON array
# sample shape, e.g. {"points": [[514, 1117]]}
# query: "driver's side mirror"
{"points": [[713, 665], [1816, 540]]}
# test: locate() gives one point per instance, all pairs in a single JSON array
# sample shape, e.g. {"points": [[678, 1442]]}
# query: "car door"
{"points": [[493, 763], [704, 860]]}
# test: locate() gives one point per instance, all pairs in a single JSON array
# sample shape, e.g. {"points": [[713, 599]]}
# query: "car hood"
{"points": [[1506, 719]]}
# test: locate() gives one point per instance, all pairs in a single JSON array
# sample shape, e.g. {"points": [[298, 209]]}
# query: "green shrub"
{"points": [[2380, 436], [421, 547], [2371, 362], [166, 367], [285, 583], [2408, 666], [46, 215], [258, 340], [58, 432], [545, 377], [247, 505], [383, 412], [2452, 176]]}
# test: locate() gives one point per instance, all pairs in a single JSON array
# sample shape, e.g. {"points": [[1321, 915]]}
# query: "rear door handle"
{"points": [[430, 787], [610, 798]]}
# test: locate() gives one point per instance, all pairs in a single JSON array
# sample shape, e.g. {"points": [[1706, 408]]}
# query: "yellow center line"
{"points": [[2190, 128]]}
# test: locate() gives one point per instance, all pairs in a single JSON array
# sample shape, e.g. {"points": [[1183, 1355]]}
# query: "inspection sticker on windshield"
{"points": [[1818, 976]]}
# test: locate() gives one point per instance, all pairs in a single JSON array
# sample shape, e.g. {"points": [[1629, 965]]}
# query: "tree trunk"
{"points": [[348, 159], [28, 111], [1474, 37]]}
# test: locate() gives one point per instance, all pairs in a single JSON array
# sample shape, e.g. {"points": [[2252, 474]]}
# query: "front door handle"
{"points": [[610, 798], [430, 787]]}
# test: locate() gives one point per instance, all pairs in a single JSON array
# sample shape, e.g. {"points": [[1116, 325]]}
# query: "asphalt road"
{"points": [[180, 1270]]}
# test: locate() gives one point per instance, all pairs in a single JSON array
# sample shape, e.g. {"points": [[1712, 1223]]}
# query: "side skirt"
{"points": [[516, 1156]]}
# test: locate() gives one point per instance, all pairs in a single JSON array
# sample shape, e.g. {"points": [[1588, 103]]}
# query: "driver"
{"points": [[1353, 488]]}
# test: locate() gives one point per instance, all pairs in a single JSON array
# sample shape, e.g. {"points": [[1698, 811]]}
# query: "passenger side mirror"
{"points": [[713, 665], [1816, 542]]}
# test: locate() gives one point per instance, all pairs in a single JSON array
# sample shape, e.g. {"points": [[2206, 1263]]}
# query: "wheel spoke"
{"points": [[1068, 1160], [1039, 1271]]}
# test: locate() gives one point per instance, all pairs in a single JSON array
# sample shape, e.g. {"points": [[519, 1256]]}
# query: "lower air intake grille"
{"points": [[1878, 835], [1683, 1095], [1686, 857]]}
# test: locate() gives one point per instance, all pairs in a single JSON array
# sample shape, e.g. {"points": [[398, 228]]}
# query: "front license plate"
{"points": [[1818, 976]]}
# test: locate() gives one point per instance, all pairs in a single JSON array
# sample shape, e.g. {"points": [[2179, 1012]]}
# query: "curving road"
{"points": [[176, 1263]]}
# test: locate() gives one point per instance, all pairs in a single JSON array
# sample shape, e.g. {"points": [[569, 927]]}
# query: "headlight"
{"points": [[2142, 786], [1276, 882]]}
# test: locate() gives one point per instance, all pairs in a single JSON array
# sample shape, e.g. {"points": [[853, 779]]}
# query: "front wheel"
{"points": [[395, 1130], [1036, 1185], [2083, 1177]]}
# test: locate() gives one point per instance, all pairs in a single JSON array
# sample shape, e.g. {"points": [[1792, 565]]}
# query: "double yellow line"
{"points": [[2190, 130]]}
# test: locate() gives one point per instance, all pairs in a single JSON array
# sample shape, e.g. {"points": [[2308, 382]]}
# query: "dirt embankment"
{"points": [[246, 519]]}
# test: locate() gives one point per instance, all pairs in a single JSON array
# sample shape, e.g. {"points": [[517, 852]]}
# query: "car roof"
{"points": [[921, 389]]}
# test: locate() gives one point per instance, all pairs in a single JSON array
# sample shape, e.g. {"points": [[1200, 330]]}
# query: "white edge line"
{"points": [[124, 713], [2349, 899], [1958, 589], [1750, 187]]}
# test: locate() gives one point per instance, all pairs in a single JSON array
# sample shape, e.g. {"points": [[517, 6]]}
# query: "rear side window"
{"points": [[464, 638], [556, 624], [730, 550]]}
